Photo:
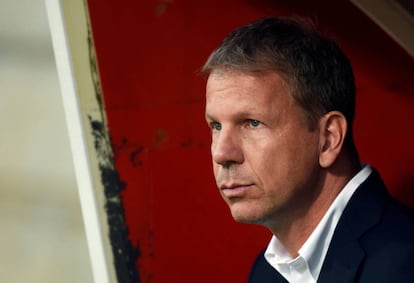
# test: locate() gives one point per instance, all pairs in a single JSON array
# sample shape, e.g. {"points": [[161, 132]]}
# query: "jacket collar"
{"points": [[363, 212]]}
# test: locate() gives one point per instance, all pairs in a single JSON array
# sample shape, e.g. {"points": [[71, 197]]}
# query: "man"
{"points": [[280, 101]]}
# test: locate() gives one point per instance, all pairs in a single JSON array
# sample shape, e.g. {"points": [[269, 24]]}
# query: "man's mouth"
{"points": [[234, 190]]}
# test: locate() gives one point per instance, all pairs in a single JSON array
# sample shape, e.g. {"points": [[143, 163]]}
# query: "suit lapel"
{"points": [[363, 211], [342, 260]]}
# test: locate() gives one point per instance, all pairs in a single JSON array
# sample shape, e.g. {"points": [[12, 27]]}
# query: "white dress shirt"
{"points": [[305, 268]]}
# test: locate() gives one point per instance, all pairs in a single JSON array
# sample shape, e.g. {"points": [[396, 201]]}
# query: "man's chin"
{"points": [[246, 217]]}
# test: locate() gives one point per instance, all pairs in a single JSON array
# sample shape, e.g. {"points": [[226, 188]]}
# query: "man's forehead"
{"points": [[223, 72]]}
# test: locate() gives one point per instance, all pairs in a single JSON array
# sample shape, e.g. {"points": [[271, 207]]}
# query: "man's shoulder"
{"points": [[375, 236], [372, 209], [389, 224], [389, 246], [398, 221], [392, 213]]}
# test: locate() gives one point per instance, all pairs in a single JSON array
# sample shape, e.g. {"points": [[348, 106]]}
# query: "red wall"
{"points": [[149, 53]]}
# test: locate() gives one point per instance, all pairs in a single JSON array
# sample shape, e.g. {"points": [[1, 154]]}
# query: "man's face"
{"points": [[265, 158]]}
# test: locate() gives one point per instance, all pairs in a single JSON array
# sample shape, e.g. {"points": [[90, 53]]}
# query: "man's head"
{"points": [[279, 101], [312, 65]]}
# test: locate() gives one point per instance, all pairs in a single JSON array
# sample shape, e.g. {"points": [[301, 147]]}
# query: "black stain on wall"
{"points": [[124, 253], [134, 157]]}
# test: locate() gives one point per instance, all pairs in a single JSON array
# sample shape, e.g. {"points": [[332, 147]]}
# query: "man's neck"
{"points": [[294, 233]]}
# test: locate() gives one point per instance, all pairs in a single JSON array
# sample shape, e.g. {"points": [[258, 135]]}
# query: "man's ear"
{"points": [[333, 128]]}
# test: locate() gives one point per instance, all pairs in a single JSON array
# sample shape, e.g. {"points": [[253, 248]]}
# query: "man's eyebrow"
{"points": [[236, 116]]}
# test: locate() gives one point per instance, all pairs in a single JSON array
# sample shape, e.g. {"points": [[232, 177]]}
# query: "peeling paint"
{"points": [[134, 157], [160, 136], [124, 253], [161, 7]]}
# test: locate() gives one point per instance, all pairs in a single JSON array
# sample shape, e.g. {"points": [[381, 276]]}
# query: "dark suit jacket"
{"points": [[372, 243]]}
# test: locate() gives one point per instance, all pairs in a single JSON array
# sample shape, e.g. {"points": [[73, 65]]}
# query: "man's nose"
{"points": [[226, 148]]}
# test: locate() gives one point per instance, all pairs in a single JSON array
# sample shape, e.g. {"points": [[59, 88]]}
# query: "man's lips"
{"points": [[234, 190]]}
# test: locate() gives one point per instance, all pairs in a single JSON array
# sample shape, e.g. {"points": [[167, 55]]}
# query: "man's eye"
{"points": [[254, 123], [216, 126]]}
